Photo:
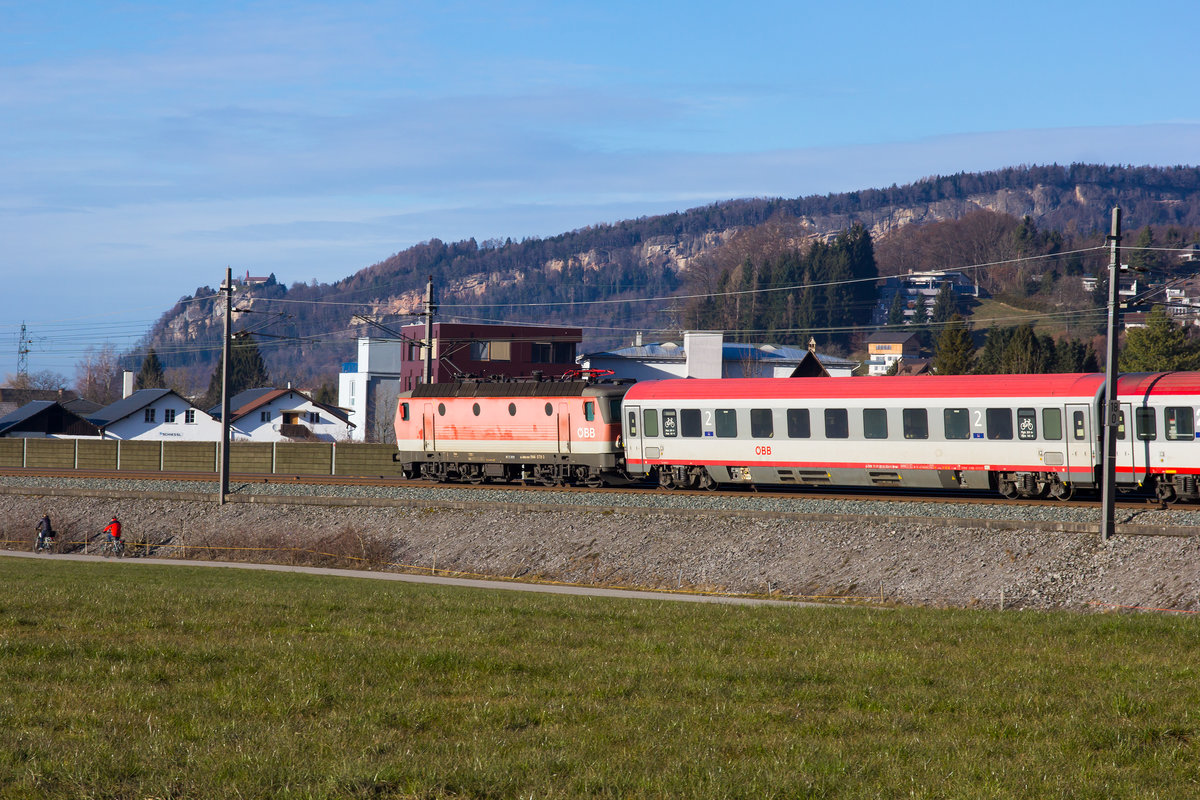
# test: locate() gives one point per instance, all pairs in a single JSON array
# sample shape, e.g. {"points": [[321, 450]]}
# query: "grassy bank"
{"points": [[131, 681]]}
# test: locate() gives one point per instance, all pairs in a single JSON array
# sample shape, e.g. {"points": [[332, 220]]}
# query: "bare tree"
{"points": [[98, 375], [45, 379]]}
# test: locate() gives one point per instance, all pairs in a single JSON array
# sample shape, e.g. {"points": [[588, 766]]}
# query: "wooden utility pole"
{"points": [[227, 290], [1112, 403]]}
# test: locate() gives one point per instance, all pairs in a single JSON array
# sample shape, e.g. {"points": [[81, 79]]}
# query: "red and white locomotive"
{"points": [[1020, 435], [548, 431]]}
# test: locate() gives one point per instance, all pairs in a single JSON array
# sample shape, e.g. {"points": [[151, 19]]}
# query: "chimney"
{"points": [[812, 345], [126, 383]]}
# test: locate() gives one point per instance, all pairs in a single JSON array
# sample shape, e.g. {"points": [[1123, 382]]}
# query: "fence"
{"points": [[258, 458]]}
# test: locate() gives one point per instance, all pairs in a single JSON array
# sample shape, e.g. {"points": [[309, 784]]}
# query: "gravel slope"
{"points": [[677, 545]]}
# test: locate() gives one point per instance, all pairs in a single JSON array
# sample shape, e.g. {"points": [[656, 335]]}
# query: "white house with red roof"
{"points": [[284, 415]]}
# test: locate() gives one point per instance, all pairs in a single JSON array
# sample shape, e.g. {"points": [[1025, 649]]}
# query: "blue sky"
{"points": [[146, 146]]}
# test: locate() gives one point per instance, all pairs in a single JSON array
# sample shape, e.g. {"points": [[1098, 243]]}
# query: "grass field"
{"points": [[123, 681]]}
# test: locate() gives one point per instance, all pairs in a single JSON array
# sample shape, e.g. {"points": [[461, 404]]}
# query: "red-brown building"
{"points": [[485, 350]]}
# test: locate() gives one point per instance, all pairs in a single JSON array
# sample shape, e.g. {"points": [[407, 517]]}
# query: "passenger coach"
{"points": [[1025, 435]]}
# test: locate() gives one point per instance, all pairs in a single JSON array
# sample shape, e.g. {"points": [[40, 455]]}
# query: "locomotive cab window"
{"points": [[761, 424], [670, 423], [589, 411], [875, 423], [404, 412], [798, 424], [1146, 424], [689, 423], [649, 423], [916, 423], [726, 423], [957, 422], [837, 423], [1026, 423], [999, 423], [1052, 424], [1181, 426], [631, 429]]}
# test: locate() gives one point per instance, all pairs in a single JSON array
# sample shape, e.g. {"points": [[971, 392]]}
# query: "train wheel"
{"points": [[1165, 492], [1008, 489], [666, 479], [706, 482], [1062, 491]]}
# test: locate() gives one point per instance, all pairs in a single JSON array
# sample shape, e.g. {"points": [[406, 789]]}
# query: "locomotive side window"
{"points": [[999, 423], [441, 409], [614, 410], [1026, 423], [631, 428], [1147, 425], [875, 423], [1180, 423], [689, 423], [549, 409], [649, 422], [726, 423], [670, 424], [761, 424], [837, 423], [916, 423], [797, 421], [589, 411], [1052, 424], [404, 411], [1078, 426], [475, 409], [957, 422], [512, 409]]}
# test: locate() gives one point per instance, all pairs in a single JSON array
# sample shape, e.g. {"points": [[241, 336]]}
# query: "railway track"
{"points": [[1132, 503]]}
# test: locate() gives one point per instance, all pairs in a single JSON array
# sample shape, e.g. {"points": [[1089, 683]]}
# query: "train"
{"points": [[1017, 435]]}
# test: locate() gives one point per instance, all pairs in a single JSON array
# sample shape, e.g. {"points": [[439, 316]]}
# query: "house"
{"points": [[921, 284], [45, 419], [278, 415], [155, 415], [887, 347], [12, 399], [368, 387], [705, 354]]}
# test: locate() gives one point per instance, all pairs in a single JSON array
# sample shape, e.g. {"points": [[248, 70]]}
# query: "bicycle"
{"points": [[112, 546], [44, 542]]}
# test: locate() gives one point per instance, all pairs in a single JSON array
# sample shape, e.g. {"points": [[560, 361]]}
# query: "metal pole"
{"points": [[429, 309], [227, 290], [1112, 403]]}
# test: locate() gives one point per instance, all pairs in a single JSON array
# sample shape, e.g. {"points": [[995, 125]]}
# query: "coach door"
{"points": [[1081, 444], [1131, 449], [564, 429], [427, 427], [632, 434]]}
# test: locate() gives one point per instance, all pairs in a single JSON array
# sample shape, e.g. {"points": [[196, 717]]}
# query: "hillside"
{"points": [[654, 257]]}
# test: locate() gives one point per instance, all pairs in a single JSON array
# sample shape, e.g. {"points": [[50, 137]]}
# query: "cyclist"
{"points": [[45, 534], [113, 529]]}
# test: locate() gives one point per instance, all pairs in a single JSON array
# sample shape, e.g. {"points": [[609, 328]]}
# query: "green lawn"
{"points": [[128, 681]]}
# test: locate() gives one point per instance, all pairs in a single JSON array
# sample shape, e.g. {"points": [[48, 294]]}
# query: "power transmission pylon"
{"points": [[23, 355]]}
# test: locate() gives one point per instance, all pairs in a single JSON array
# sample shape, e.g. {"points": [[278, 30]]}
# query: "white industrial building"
{"points": [[368, 388]]}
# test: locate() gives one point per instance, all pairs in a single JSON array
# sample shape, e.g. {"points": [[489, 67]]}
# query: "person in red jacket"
{"points": [[113, 529]]}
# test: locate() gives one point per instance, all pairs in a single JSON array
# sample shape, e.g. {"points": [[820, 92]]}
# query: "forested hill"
{"points": [[651, 257]]}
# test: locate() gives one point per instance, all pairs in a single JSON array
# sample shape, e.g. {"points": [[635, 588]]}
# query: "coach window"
{"points": [[649, 423], [670, 424], [761, 424], [999, 423], [1026, 423], [632, 427], [916, 423], [689, 423], [1052, 424], [798, 425], [404, 412], [589, 411], [726, 423], [1180, 423], [957, 422], [837, 423], [1147, 425], [875, 423]]}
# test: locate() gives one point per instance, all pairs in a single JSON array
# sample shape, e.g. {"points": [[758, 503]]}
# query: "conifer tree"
{"points": [[1159, 347], [954, 353], [945, 305], [151, 375], [247, 370]]}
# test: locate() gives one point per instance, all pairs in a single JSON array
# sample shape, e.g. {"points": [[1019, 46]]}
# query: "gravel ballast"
{"points": [[659, 541]]}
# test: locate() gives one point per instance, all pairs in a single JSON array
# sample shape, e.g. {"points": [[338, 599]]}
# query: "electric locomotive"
{"points": [[551, 432]]}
